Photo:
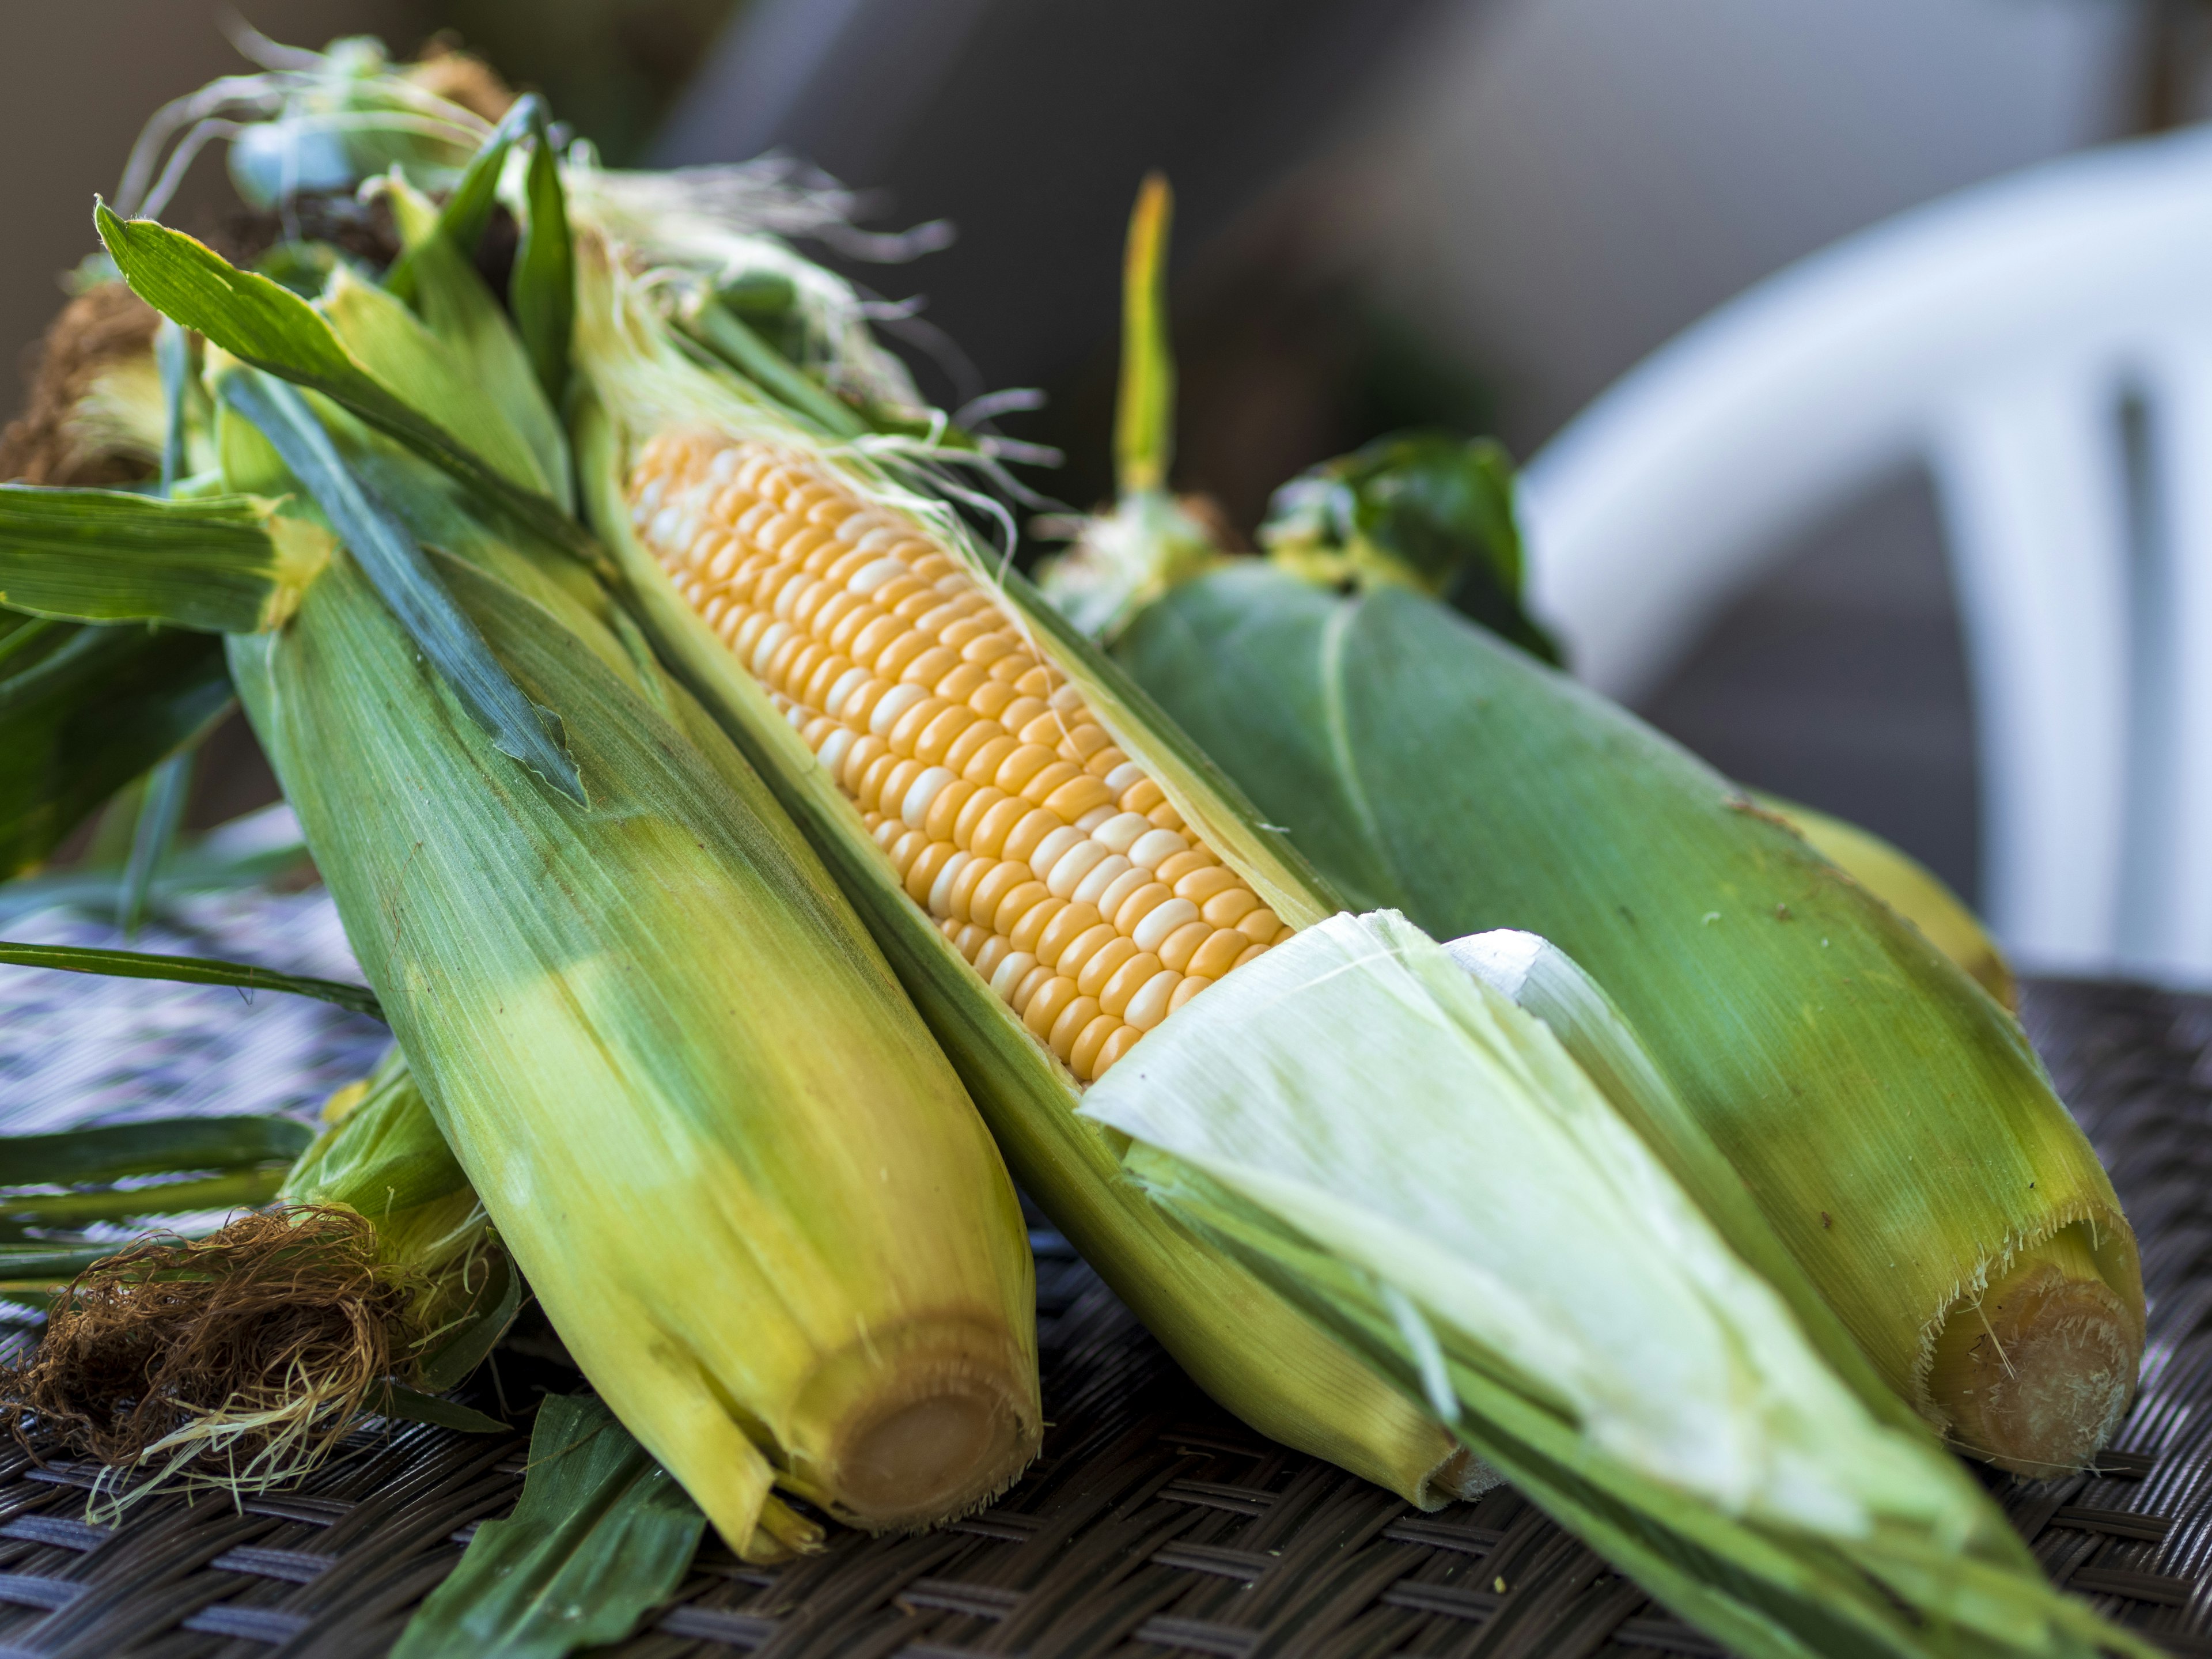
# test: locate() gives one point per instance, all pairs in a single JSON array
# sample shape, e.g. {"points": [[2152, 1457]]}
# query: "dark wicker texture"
{"points": [[1155, 1525]]}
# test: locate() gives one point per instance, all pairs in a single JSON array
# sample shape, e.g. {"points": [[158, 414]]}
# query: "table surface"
{"points": [[1155, 1524]]}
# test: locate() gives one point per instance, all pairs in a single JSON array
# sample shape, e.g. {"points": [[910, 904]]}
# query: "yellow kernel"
{"points": [[1020, 765], [1048, 1003], [1173, 868], [1255, 951], [1202, 883], [988, 955], [1080, 794], [1139, 902], [1069, 923], [906, 848], [1026, 836], [921, 874], [990, 698], [945, 810], [964, 827], [1262, 926], [1068, 1025], [905, 734], [1085, 949], [1150, 1005], [1117, 985], [864, 752], [1166, 816], [983, 765], [1004, 899], [845, 637], [1027, 932], [1225, 908], [961, 683], [1040, 784], [1083, 1059], [1142, 796], [960, 902], [1177, 949], [1218, 954], [961, 756], [1191, 986], [933, 742], [1124, 1039], [997, 823]]}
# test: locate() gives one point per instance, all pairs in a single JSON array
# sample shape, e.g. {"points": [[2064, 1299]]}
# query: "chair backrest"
{"points": [[2044, 344]]}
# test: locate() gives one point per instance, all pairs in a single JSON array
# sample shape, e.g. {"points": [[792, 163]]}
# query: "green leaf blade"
{"points": [[543, 290], [602, 1535], [405, 579], [189, 970], [110, 555], [111, 1152]]}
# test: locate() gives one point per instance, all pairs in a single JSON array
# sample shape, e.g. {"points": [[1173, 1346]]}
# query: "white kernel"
{"points": [[724, 466], [798, 713], [1161, 920], [835, 747], [1104, 874], [1069, 869], [1150, 1005], [1124, 777], [1156, 847], [1054, 848], [847, 683], [881, 536], [873, 574], [892, 704], [775, 634], [1117, 893], [922, 793], [1119, 833], [1090, 821], [788, 595], [940, 892], [665, 524], [1068, 699], [1018, 967]]}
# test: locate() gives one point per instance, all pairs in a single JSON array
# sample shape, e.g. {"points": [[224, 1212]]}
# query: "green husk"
{"points": [[1513, 1252], [1239, 1340], [600, 1536]]}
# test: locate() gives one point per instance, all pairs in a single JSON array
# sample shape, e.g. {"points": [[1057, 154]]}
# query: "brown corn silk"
{"points": [[1048, 856]]}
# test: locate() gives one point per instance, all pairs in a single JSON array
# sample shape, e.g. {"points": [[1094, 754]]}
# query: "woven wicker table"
{"points": [[1154, 1524]]}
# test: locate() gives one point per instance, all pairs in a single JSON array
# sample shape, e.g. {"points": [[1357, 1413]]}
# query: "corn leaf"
{"points": [[467, 210], [236, 1189], [1144, 422], [160, 813], [85, 710], [542, 292], [265, 324], [601, 1535], [459, 308], [404, 579], [165, 1146], [390, 1399], [1427, 509], [217, 565], [188, 970], [473, 1336]]}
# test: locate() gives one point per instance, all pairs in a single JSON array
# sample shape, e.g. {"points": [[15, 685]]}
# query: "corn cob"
{"points": [[1055, 864], [934, 891]]}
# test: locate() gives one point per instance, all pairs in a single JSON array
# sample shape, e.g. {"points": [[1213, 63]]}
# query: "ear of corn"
{"points": [[1890, 1120], [1538, 1274], [657, 416], [793, 1263], [1908, 887]]}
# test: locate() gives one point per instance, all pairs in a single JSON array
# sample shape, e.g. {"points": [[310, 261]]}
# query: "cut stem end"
{"points": [[2037, 1376]]}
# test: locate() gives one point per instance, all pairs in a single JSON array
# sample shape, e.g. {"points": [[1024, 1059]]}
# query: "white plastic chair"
{"points": [[1997, 335]]}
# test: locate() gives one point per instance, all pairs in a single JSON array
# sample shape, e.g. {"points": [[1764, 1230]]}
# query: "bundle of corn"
{"points": [[1891, 1119], [1051, 870], [782, 1262]]}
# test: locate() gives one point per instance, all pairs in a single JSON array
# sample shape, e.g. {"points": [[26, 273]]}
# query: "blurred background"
{"points": [[1476, 213]]}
